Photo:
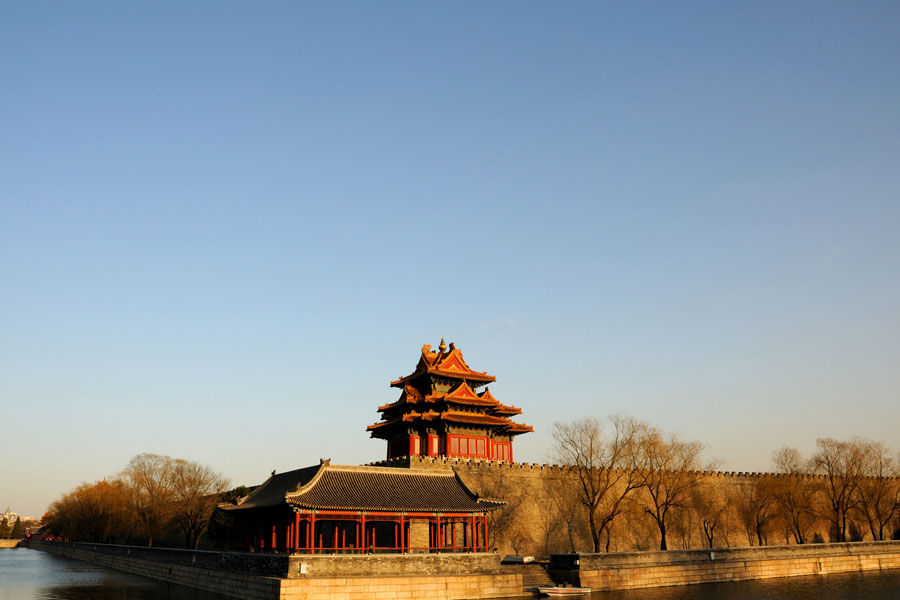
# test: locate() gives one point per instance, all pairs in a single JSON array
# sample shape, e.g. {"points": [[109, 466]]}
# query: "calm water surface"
{"points": [[32, 575], [874, 585], [878, 585]]}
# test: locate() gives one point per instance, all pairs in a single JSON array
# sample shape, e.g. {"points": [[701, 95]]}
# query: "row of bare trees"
{"points": [[855, 487], [610, 466], [625, 469], [150, 496]]}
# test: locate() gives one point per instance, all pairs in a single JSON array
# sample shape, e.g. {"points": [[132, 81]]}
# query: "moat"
{"points": [[881, 585], [27, 574], [33, 575]]}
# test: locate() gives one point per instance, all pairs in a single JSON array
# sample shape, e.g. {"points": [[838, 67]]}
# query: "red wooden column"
{"points": [[403, 540], [312, 533], [274, 536], [364, 540], [438, 534], [474, 535], [296, 531]]}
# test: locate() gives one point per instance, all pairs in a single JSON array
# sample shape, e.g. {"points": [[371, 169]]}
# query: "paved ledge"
{"points": [[627, 570], [395, 577], [354, 565], [276, 565]]}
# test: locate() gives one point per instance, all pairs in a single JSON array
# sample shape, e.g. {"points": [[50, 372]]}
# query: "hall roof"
{"points": [[337, 487]]}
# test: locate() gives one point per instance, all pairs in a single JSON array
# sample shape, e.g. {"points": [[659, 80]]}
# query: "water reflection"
{"points": [[878, 585], [874, 585], [31, 575]]}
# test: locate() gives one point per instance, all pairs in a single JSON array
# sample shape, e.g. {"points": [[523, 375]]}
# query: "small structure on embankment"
{"points": [[360, 510]]}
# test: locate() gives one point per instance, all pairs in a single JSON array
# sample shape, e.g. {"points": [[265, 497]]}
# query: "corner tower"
{"points": [[440, 413]]}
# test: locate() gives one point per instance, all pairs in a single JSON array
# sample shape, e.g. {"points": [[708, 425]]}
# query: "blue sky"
{"points": [[225, 227]]}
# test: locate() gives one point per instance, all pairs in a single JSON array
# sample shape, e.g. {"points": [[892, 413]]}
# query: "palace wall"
{"points": [[544, 515]]}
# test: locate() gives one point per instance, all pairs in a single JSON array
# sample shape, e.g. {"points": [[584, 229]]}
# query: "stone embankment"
{"points": [[309, 577], [455, 576], [629, 570], [9, 543]]}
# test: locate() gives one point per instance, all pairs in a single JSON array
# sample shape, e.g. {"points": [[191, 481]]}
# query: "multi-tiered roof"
{"points": [[440, 398]]}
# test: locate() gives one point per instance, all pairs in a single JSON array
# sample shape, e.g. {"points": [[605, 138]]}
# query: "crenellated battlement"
{"points": [[451, 461]]}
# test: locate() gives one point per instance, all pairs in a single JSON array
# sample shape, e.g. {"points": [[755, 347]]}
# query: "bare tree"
{"points": [[878, 490], [606, 467], [795, 492], [149, 481], [711, 507], [684, 523], [562, 497], [756, 506], [92, 512], [196, 489], [841, 464], [670, 474]]}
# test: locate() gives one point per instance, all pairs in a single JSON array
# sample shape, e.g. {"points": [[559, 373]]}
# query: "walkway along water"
{"points": [[254, 576], [449, 576]]}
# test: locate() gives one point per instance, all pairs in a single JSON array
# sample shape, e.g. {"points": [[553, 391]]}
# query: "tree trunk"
{"points": [[595, 535], [709, 533], [798, 531]]}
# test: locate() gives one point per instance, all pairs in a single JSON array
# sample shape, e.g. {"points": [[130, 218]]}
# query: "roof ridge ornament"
{"points": [[443, 346]]}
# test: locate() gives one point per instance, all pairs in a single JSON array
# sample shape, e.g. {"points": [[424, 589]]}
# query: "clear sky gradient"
{"points": [[226, 226]]}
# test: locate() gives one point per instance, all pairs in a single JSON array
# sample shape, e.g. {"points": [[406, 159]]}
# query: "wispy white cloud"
{"points": [[497, 322]]}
